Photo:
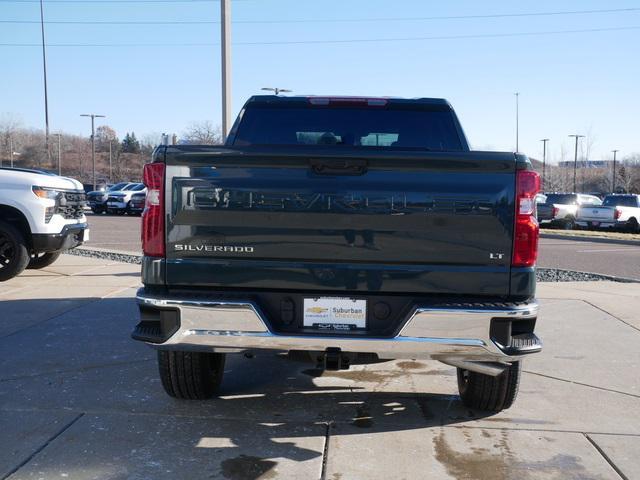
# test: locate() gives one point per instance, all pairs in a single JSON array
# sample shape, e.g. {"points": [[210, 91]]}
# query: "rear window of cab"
{"points": [[429, 129]]}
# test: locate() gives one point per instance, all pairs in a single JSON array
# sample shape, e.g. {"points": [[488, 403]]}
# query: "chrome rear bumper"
{"points": [[446, 334]]}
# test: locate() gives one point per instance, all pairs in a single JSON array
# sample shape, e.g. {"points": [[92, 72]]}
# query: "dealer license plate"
{"points": [[335, 313]]}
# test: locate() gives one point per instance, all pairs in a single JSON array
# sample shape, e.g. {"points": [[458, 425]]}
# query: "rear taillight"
{"points": [[555, 211], [525, 239], [616, 213], [153, 214]]}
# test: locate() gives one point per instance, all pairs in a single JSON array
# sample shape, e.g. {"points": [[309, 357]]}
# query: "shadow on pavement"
{"points": [[84, 361]]}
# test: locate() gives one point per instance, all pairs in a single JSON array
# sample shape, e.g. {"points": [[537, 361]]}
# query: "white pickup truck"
{"points": [[560, 209], [41, 215], [617, 211]]}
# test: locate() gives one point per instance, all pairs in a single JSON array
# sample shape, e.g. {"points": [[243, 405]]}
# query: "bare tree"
{"points": [[150, 141], [9, 125], [202, 133], [104, 135]]}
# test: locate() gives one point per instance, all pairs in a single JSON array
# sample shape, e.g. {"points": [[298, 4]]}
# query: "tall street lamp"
{"points": [[93, 142], [544, 159], [44, 69], [276, 90], [613, 189], [575, 161]]}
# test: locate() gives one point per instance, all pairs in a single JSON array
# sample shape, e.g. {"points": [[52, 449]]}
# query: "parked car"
{"points": [[342, 230], [560, 209], [100, 186], [136, 205], [97, 199], [41, 215], [617, 211], [119, 201]]}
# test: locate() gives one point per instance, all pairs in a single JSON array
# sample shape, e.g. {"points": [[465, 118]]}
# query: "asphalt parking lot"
{"points": [[80, 400], [123, 233]]}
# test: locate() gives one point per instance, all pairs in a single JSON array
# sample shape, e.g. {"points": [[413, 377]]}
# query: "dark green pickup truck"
{"points": [[341, 230]]}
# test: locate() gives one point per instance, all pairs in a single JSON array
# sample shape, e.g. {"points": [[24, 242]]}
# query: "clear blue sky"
{"points": [[569, 83]]}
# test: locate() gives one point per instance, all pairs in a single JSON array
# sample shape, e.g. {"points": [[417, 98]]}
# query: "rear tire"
{"points": [[14, 256], [484, 392], [41, 260], [632, 226], [569, 224], [190, 375]]}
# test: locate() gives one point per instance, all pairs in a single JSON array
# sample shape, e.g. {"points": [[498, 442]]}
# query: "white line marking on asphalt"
{"points": [[602, 250]]}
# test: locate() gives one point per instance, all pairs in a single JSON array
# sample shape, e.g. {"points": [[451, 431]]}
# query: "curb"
{"points": [[584, 238]]}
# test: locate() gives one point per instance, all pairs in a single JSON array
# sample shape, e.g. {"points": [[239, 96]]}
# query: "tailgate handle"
{"points": [[339, 166]]}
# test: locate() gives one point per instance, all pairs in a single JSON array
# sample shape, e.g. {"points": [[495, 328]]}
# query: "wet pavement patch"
{"points": [[500, 462]]}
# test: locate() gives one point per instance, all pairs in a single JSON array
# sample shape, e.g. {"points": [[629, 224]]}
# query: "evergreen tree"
{"points": [[130, 143]]}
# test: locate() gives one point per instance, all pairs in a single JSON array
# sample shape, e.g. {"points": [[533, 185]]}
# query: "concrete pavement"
{"points": [[80, 400]]}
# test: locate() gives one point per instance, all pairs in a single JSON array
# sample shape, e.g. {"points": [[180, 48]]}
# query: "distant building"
{"points": [[587, 163]]}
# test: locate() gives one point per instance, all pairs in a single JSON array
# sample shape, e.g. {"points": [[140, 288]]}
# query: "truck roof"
{"points": [[308, 98]]}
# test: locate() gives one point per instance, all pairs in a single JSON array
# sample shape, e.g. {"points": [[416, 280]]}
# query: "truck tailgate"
{"points": [[545, 211], [293, 219], [596, 214]]}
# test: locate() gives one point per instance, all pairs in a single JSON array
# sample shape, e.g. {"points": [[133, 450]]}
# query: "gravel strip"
{"points": [[542, 274], [559, 275], [106, 255]]}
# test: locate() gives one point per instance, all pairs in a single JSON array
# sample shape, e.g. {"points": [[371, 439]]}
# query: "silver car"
{"points": [[120, 202]]}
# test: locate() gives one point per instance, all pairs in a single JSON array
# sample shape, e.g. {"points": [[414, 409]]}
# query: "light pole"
{"points": [[517, 94], [44, 69], [93, 142], [544, 159], [613, 189], [276, 90], [59, 154], [575, 161], [110, 170], [225, 33], [11, 151]]}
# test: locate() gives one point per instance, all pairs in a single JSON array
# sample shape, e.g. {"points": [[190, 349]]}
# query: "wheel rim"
{"points": [[7, 250]]}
